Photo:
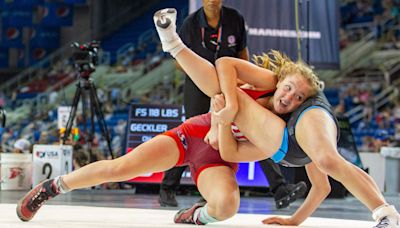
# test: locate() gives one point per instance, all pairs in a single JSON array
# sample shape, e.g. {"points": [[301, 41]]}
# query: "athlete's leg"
{"points": [[253, 119], [219, 188], [158, 154], [316, 134], [201, 71]]}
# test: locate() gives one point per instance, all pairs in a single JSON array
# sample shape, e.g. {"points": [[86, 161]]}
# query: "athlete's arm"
{"points": [[320, 188], [234, 151], [212, 135], [243, 54], [230, 149], [229, 70], [229, 145]]}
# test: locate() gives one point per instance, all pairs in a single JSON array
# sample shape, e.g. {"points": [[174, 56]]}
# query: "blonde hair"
{"points": [[283, 66]]}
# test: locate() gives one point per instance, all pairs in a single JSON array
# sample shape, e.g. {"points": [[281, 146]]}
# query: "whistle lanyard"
{"points": [[218, 44]]}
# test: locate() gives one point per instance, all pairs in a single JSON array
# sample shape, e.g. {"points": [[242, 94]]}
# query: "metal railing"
{"points": [[381, 99]]}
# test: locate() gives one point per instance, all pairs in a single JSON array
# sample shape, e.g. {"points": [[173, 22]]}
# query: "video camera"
{"points": [[86, 57]]}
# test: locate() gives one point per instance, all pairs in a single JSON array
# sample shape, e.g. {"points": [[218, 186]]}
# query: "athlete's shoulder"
{"points": [[318, 100]]}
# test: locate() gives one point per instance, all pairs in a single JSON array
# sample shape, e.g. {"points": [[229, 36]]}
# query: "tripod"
{"points": [[87, 90], [2, 117]]}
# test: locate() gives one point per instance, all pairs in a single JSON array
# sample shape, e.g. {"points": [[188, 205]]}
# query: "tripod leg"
{"points": [[100, 116], [72, 113], [84, 114], [88, 134]]}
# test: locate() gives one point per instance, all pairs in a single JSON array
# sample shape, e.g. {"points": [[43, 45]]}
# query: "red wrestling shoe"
{"points": [[186, 215], [34, 199]]}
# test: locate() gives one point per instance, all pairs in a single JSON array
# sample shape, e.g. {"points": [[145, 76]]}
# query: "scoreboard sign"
{"points": [[145, 122]]}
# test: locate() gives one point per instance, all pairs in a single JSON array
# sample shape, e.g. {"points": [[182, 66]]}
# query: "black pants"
{"points": [[196, 103], [273, 173]]}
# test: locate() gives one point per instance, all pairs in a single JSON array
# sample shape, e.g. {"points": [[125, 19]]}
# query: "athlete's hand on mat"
{"points": [[212, 138], [278, 220], [223, 114]]}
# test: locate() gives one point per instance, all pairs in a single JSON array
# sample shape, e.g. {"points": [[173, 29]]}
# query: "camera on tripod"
{"points": [[86, 57]]}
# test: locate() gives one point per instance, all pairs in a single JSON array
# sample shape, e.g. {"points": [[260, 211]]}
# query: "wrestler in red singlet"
{"points": [[194, 152]]}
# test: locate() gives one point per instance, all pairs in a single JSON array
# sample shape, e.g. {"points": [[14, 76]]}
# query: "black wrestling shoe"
{"points": [[289, 193]]}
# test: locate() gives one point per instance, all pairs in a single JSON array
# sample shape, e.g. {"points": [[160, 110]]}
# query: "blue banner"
{"points": [[313, 35], [45, 37], [17, 17], [75, 2], [11, 37], [3, 58], [18, 4], [21, 58], [57, 14], [38, 54]]}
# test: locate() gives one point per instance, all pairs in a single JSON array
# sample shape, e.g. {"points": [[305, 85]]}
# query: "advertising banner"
{"points": [[309, 29], [45, 37], [50, 161], [57, 14]]}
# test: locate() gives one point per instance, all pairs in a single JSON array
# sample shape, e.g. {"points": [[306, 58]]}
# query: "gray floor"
{"points": [[347, 208]]}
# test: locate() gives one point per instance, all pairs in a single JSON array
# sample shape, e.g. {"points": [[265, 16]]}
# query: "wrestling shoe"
{"points": [[167, 198], [388, 222], [165, 22], [187, 215], [34, 199], [289, 193]]}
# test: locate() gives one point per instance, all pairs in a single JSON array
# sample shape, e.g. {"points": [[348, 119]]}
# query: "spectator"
{"points": [[22, 146], [368, 144], [381, 139]]}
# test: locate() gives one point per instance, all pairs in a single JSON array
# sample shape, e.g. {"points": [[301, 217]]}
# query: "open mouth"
{"points": [[283, 103]]}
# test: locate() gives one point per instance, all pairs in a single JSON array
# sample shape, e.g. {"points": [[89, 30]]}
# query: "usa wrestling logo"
{"points": [[182, 138]]}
